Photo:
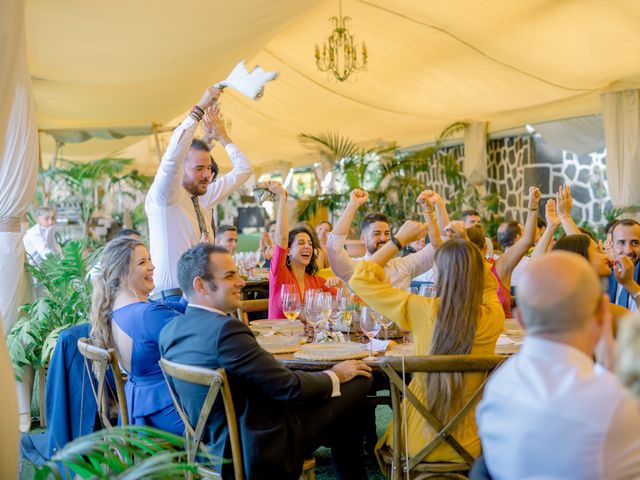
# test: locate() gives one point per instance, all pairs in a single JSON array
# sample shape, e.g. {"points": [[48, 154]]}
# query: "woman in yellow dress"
{"points": [[465, 317]]}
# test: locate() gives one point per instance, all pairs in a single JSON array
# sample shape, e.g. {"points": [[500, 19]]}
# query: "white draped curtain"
{"points": [[18, 169], [621, 118]]}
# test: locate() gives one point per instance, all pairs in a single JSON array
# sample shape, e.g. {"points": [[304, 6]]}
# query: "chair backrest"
{"points": [[217, 382], [98, 361], [394, 366], [248, 306]]}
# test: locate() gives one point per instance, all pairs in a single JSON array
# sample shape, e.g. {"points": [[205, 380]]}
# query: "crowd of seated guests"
{"points": [[548, 412]]}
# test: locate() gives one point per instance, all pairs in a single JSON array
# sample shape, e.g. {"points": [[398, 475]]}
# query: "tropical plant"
{"points": [[82, 181], [132, 453], [390, 176], [64, 300]]}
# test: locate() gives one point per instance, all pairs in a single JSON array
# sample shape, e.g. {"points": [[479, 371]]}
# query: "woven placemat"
{"points": [[279, 344], [402, 349], [331, 351]]}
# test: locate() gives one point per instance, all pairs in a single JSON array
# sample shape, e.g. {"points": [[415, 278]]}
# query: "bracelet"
{"points": [[636, 295], [196, 107], [195, 113], [396, 242]]}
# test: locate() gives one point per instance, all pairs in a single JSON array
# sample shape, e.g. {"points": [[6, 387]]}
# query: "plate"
{"points": [[331, 351]]}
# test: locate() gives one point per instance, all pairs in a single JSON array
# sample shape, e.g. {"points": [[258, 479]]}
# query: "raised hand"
{"points": [[411, 231], [456, 229], [623, 270], [425, 200], [564, 200], [213, 127], [276, 187], [534, 198], [358, 197], [209, 96], [550, 213]]}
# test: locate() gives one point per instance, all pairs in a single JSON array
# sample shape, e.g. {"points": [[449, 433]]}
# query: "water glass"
{"points": [[370, 326], [428, 290]]}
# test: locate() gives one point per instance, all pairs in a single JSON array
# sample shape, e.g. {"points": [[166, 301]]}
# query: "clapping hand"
{"points": [[425, 200], [213, 127], [564, 200], [550, 213]]}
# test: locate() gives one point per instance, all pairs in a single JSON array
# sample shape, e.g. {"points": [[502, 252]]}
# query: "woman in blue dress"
{"points": [[122, 318]]}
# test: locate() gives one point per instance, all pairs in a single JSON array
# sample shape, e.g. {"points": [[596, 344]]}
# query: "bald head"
{"points": [[558, 293]]}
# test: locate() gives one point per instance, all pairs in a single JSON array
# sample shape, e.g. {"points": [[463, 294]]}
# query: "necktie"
{"points": [[203, 227]]}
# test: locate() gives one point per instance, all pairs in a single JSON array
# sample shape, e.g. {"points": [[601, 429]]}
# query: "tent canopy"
{"points": [[110, 65]]}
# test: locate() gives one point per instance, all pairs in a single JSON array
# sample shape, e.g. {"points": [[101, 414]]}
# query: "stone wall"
{"points": [[516, 163]]}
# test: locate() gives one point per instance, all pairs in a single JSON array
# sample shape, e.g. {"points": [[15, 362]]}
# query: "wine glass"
{"points": [[346, 310], [291, 308], [370, 326], [325, 299], [413, 290], [386, 323]]}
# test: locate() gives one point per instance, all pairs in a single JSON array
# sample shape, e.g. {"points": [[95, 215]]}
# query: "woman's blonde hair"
{"points": [[459, 287], [629, 353], [115, 264]]}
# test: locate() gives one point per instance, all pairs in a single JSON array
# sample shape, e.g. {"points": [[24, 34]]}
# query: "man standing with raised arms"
{"points": [[181, 199]]}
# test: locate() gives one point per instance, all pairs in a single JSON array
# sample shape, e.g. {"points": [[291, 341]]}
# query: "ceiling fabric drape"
{"points": [[109, 65], [621, 117]]}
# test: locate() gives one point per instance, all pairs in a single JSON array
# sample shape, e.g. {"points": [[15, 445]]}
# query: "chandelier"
{"points": [[339, 54]]}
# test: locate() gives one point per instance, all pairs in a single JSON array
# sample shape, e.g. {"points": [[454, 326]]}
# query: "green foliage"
{"points": [[64, 300], [389, 176], [131, 453]]}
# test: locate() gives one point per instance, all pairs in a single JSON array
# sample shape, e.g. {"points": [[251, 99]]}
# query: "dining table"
{"points": [[508, 344]]}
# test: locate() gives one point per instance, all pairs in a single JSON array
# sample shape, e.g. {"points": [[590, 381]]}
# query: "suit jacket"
{"points": [[264, 392], [613, 287]]}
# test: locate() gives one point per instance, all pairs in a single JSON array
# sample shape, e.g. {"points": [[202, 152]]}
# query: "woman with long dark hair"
{"points": [[465, 317], [122, 318], [294, 258]]}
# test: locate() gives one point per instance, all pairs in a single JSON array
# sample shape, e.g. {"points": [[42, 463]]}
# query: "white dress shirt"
{"points": [[40, 242], [400, 270], [550, 413], [173, 223], [519, 270], [335, 381]]}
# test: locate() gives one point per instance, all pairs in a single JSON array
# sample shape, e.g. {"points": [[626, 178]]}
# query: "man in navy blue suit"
{"points": [[283, 415], [624, 282]]}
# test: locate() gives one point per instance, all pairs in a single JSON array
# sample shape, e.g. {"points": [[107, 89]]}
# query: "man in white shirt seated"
{"points": [[227, 237], [40, 240], [375, 231], [181, 199], [549, 411]]}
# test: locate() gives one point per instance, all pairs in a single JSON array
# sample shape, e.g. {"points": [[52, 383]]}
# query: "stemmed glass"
{"points": [[385, 323], [325, 300], [312, 309], [346, 309], [370, 326], [290, 302]]}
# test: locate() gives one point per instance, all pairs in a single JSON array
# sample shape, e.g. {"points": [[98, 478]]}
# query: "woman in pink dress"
{"points": [[294, 259]]}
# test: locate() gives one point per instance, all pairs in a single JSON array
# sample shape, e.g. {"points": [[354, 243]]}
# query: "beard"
{"points": [[373, 247]]}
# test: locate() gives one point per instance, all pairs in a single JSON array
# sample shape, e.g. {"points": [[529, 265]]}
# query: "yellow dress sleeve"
{"points": [[370, 283], [491, 321]]}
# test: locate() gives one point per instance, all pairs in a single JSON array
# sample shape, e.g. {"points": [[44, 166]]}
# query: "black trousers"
{"points": [[339, 424]]}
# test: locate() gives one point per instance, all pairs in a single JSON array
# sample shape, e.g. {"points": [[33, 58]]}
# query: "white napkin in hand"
{"points": [[251, 83]]}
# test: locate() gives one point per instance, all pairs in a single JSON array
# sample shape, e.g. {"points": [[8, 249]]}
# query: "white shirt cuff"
{"points": [[335, 381], [231, 149]]}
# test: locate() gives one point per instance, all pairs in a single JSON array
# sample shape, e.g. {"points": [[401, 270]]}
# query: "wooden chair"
{"points": [[102, 360], [216, 380], [249, 306], [419, 468]]}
